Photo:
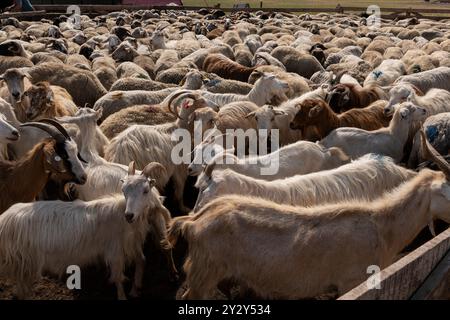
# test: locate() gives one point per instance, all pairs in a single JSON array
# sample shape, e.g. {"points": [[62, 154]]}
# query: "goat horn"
{"points": [[209, 169], [58, 126], [184, 96], [172, 97], [55, 134], [154, 170], [434, 156]]}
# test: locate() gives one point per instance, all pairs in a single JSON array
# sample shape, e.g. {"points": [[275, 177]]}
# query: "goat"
{"points": [[438, 78], [368, 177], [284, 251], [345, 96], [319, 115], [385, 141], [57, 156], [298, 158], [45, 101], [51, 235]]}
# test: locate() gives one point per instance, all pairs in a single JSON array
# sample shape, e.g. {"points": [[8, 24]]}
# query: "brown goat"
{"points": [[345, 96], [226, 68], [319, 115], [45, 101], [53, 157]]}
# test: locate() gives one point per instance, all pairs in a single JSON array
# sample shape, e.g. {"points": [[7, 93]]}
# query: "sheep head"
{"points": [[14, 79], [265, 116]]}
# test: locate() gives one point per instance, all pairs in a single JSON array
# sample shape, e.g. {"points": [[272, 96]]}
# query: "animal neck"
{"points": [[259, 95], [328, 123], [399, 128], [406, 212], [88, 132]]}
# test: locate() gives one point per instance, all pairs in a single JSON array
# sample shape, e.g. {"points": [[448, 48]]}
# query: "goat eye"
{"points": [[58, 158]]}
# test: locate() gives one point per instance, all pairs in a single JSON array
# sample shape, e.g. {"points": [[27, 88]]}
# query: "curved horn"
{"points": [[172, 97], [154, 170], [434, 156], [58, 126], [53, 132], [184, 95], [209, 169], [264, 58]]}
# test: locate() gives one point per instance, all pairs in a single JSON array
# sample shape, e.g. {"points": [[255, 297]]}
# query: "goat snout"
{"points": [[129, 217], [16, 95], [14, 135]]}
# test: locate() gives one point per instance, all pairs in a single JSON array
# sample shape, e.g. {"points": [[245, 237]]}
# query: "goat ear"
{"points": [[315, 111], [131, 168], [251, 114], [187, 103], [151, 182], [2, 77], [279, 112], [50, 96], [404, 113], [99, 113]]}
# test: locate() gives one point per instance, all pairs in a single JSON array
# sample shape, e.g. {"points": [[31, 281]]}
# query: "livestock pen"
{"points": [[136, 140]]}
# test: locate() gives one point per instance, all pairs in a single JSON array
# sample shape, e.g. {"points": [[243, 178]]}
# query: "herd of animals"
{"points": [[87, 111]]}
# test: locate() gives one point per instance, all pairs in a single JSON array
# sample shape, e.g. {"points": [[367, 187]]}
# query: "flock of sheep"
{"points": [[89, 107]]}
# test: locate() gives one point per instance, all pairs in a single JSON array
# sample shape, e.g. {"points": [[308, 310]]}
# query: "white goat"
{"points": [[434, 101], [436, 78], [366, 178], [385, 141], [264, 91], [49, 236], [298, 158]]}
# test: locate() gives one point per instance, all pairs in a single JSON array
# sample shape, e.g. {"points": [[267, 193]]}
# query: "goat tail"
{"points": [[179, 226]]}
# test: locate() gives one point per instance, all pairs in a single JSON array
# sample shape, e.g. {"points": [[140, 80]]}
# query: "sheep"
{"points": [[66, 233], [17, 82], [134, 141], [45, 101], [438, 78], [130, 69], [365, 178], [82, 85], [295, 61], [115, 101], [57, 156], [226, 68], [262, 58], [386, 73], [319, 115], [129, 84], [298, 158], [140, 114], [267, 88], [255, 231], [219, 85], [345, 96], [385, 141]]}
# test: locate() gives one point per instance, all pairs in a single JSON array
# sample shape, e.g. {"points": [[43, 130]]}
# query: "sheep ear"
{"points": [[315, 111], [131, 168], [251, 114], [2, 77]]}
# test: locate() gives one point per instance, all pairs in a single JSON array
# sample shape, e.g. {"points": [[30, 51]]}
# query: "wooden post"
{"points": [[260, 4]]}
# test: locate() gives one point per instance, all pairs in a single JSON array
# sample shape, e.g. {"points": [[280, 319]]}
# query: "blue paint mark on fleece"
{"points": [[377, 73], [432, 133]]}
